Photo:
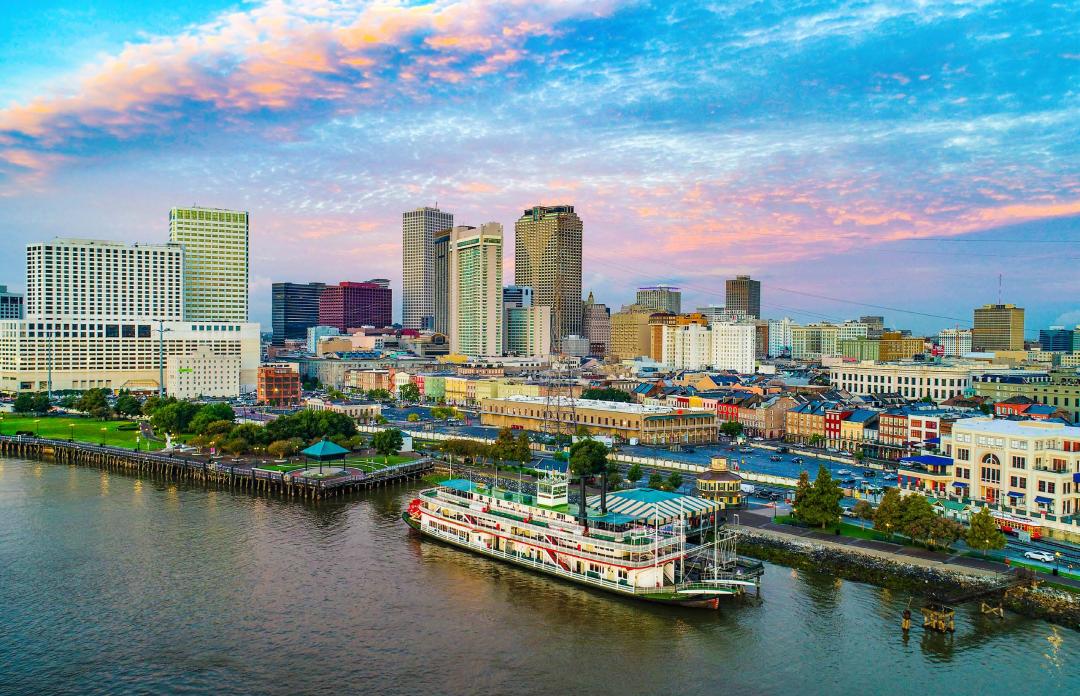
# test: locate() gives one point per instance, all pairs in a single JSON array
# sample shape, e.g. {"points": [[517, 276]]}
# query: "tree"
{"points": [[175, 417], [127, 404], [634, 474], [943, 532], [731, 429], [284, 448], [413, 418], [309, 425], [388, 443], [983, 533], [656, 481], [824, 500], [236, 446], [607, 394], [409, 393], [522, 449], [801, 501], [153, 403], [24, 403], [674, 480], [590, 458], [916, 516], [816, 440], [863, 510], [380, 395], [887, 515], [211, 413], [93, 403]]}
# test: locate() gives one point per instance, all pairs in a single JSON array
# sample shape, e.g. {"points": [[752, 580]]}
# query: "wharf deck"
{"points": [[208, 471]]}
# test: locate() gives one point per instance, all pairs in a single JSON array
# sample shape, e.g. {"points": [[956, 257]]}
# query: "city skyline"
{"points": [[953, 123]]}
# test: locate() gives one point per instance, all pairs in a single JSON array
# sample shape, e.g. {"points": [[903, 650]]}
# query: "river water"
{"points": [[114, 584]]}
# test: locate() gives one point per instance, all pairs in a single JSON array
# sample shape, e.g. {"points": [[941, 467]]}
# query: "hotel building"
{"points": [[418, 229], [547, 258], [216, 262], [476, 290]]}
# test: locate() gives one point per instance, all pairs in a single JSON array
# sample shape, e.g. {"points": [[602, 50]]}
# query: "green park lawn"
{"points": [[84, 430], [376, 462]]}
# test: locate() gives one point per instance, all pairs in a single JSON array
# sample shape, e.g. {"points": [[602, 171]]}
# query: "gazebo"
{"points": [[325, 451]]}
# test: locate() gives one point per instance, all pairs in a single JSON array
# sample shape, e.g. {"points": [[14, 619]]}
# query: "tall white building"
{"points": [[850, 330], [719, 346], [734, 346], [660, 298], [955, 342], [94, 279], [780, 336], [418, 282], [476, 290], [107, 314], [216, 262]]}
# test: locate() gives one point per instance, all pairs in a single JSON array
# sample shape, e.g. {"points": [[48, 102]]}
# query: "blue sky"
{"points": [[851, 155]]}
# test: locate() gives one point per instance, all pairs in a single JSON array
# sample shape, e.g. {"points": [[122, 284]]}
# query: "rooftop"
{"points": [[617, 406], [1022, 428]]}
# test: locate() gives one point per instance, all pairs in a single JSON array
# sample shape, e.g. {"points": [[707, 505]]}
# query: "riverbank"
{"points": [[919, 576]]}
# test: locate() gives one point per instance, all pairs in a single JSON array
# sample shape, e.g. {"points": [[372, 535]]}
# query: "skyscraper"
{"points": [[294, 309], [998, 327], [418, 228], [743, 294], [519, 297], [216, 262], [476, 290], [660, 298], [441, 244], [11, 304], [352, 305], [596, 325], [1057, 339], [547, 258]]}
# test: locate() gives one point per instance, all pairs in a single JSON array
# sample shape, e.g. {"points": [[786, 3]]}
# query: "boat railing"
{"points": [[641, 544], [620, 586]]}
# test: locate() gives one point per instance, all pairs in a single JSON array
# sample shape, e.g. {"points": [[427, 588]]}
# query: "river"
{"points": [[116, 584]]}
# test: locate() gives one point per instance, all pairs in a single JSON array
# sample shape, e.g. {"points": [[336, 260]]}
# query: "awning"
{"points": [[960, 484], [1044, 500], [1014, 494]]}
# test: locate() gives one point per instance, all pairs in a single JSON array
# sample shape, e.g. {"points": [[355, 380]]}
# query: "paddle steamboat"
{"points": [[646, 544]]}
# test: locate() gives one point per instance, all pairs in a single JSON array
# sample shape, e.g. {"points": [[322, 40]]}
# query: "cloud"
{"points": [[283, 55]]}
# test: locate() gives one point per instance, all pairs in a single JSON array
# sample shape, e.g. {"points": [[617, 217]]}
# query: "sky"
{"points": [[912, 159]]}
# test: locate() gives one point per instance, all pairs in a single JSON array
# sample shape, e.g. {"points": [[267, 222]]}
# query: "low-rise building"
{"points": [[366, 380], [357, 410], [202, 373], [766, 416], [653, 425], [720, 484], [912, 380], [279, 385]]}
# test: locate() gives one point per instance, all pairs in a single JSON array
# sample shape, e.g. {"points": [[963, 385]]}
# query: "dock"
{"points": [[241, 476]]}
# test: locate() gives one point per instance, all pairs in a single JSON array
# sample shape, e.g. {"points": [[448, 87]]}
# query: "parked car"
{"points": [[1039, 556]]}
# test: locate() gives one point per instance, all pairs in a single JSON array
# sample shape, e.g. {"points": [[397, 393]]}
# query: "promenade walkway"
{"points": [[761, 521]]}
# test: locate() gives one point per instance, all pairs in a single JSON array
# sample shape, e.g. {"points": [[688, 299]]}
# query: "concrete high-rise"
{"points": [[89, 279], [441, 246], [294, 309], [418, 230], [476, 290], [547, 258], [528, 331], [11, 304], [998, 327], [743, 294], [216, 262], [660, 298], [519, 297], [352, 305]]}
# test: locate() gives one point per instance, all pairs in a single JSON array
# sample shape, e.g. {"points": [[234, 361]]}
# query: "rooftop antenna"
{"points": [[999, 288]]}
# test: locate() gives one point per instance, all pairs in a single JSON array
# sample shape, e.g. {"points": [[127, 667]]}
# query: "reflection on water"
{"points": [[113, 583]]}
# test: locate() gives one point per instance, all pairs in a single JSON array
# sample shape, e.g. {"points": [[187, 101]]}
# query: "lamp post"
{"points": [[37, 427], [71, 432], [1057, 561], [103, 429]]}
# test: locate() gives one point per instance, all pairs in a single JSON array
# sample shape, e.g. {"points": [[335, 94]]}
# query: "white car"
{"points": [[1039, 556]]}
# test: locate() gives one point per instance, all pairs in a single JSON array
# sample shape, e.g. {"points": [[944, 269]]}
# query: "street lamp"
{"points": [[1057, 561], [103, 429], [71, 432], [37, 427]]}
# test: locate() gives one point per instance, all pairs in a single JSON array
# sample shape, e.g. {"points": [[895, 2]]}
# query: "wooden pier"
{"points": [[193, 469]]}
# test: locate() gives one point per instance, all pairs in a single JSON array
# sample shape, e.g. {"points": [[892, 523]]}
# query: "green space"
{"points": [[845, 528], [376, 462], [1062, 572], [79, 429], [282, 467]]}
